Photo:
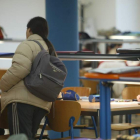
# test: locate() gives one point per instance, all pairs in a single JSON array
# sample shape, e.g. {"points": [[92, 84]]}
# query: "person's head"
{"points": [[39, 26], [84, 35], [112, 47]]}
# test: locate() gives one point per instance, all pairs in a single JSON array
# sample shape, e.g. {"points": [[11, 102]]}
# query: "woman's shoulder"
{"points": [[32, 45]]}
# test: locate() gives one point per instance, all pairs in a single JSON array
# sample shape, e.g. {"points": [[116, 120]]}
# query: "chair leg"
{"points": [[62, 135], [2, 131], [72, 119], [95, 128], [69, 132], [130, 132], [129, 120], [136, 131], [46, 121], [120, 118], [120, 121]]}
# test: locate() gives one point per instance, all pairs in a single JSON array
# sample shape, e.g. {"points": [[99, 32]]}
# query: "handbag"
{"points": [[70, 95]]}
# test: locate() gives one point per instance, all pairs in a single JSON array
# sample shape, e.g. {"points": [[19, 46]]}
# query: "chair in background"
{"points": [[2, 72], [4, 123], [83, 91], [128, 93], [86, 83], [62, 117]]}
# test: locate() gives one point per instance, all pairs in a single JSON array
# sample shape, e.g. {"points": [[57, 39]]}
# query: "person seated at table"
{"points": [[117, 88], [87, 47], [138, 98], [111, 49]]}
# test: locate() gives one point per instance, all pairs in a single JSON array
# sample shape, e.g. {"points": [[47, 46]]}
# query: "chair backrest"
{"points": [[3, 116], [4, 119], [130, 92], [60, 114], [81, 91], [2, 72], [87, 83]]}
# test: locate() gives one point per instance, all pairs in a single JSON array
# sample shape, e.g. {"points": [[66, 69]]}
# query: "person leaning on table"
{"points": [[25, 110], [138, 98]]}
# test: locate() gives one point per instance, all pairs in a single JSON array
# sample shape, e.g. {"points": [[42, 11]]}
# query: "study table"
{"points": [[105, 95], [117, 108], [105, 112], [93, 109]]}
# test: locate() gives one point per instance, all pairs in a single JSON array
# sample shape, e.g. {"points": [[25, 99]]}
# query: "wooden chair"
{"points": [[4, 123], [128, 93], [86, 83], [62, 117], [83, 91], [131, 92], [2, 72]]}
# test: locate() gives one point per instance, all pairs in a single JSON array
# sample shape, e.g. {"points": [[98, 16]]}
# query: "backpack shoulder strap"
{"points": [[38, 44]]}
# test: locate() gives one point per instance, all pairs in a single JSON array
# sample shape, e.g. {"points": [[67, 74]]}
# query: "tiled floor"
{"points": [[91, 134]]}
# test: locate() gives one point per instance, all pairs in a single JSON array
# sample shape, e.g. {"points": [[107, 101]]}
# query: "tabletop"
{"points": [[116, 107]]}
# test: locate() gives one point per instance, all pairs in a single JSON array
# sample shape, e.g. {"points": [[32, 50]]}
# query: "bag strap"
{"points": [[38, 44], [53, 53]]}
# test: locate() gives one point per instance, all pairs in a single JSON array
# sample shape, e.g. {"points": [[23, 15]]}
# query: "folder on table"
{"points": [[113, 73]]}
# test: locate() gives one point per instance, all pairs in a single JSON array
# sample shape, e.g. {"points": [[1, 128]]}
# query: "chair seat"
{"points": [[67, 138], [46, 128], [124, 126], [4, 137], [38, 136], [80, 126]]}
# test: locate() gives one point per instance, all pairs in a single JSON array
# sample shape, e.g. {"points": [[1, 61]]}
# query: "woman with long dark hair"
{"points": [[25, 110]]}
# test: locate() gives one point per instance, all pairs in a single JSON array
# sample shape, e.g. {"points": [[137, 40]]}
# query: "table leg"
{"points": [[102, 112], [105, 113], [108, 112]]}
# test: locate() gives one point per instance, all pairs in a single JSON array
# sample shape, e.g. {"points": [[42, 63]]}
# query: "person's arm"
{"points": [[21, 66], [138, 98]]}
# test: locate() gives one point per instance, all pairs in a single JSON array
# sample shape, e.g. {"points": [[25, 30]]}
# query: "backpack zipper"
{"points": [[59, 70], [41, 74]]}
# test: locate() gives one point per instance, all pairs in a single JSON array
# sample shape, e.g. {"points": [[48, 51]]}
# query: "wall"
{"points": [[101, 12], [98, 14], [14, 15], [105, 14], [127, 18], [117, 13], [127, 15]]}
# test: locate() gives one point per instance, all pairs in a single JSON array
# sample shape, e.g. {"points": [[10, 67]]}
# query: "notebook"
{"points": [[115, 70], [75, 52], [6, 54], [128, 50]]}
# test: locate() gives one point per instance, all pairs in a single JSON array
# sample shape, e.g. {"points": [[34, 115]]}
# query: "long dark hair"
{"points": [[39, 25]]}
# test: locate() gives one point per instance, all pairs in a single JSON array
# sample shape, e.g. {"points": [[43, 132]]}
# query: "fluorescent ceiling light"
{"points": [[122, 37], [125, 82], [1, 42], [5, 58], [102, 60]]}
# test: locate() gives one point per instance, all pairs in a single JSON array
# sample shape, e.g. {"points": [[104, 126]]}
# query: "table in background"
{"points": [[105, 110], [105, 113], [117, 108]]}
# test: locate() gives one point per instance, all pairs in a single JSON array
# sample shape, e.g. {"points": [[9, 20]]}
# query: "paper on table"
{"points": [[115, 70], [130, 78], [84, 98]]}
